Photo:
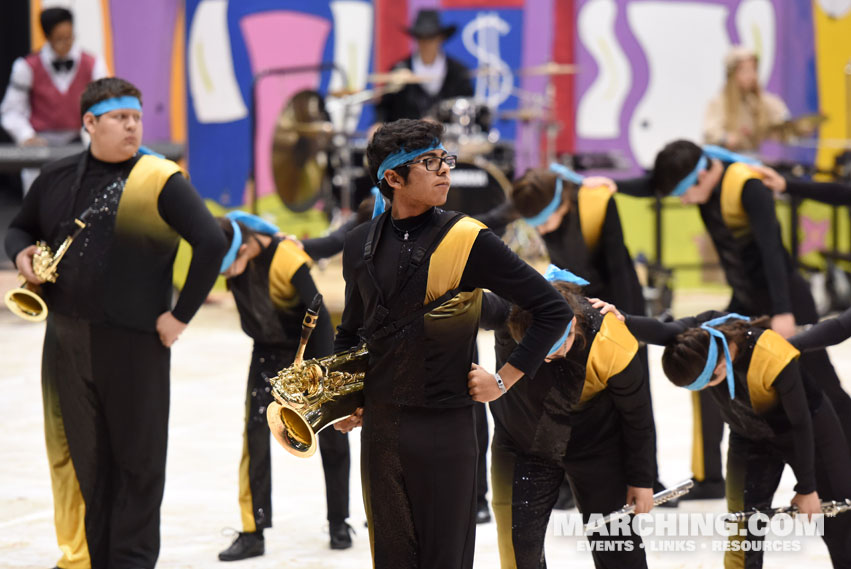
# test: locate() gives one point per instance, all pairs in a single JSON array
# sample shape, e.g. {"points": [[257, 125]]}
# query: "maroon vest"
{"points": [[49, 108]]}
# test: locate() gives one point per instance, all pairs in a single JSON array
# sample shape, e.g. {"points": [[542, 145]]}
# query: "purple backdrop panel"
{"points": [[142, 34]]}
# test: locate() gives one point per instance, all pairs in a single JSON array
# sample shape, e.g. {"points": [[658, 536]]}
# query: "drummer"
{"points": [[449, 77]]}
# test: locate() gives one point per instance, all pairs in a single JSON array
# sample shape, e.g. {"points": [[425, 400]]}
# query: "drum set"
{"points": [[314, 159]]}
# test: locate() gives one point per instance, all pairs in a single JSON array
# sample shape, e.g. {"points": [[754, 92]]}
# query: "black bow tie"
{"points": [[63, 64]]}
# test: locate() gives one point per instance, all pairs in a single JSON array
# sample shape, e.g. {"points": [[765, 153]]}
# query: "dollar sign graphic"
{"points": [[481, 38]]}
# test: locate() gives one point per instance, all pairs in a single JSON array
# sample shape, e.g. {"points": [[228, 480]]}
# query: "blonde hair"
{"points": [[735, 98]]}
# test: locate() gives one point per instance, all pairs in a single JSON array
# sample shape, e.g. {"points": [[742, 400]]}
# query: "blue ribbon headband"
{"points": [[712, 356], [710, 151], [378, 208], [235, 243], [402, 156], [115, 103], [563, 173], [553, 273], [253, 222]]}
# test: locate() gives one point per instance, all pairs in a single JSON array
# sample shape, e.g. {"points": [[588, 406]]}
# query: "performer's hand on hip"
{"points": [[169, 328], [482, 385], [24, 262], [784, 324], [641, 497], [808, 504], [350, 422]]}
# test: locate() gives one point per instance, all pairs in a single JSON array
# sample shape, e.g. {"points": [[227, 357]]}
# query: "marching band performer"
{"points": [[271, 284]]}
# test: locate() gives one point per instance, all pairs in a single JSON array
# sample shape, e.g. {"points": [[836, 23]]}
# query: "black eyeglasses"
{"points": [[434, 163]]}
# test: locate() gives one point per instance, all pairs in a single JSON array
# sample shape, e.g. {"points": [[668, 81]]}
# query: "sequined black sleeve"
{"points": [[492, 265], [758, 202], [637, 187], [353, 311], [801, 455], [826, 333], [827, 192], [184, 210], [630, 393]]}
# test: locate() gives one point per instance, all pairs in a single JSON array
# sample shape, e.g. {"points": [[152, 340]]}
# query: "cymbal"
{"points": [[400, 76], [300, 146], [345, 92], [799, 126], [549, 68]]}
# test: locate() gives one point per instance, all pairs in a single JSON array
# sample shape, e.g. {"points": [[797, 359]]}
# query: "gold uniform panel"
{"points": [[612, 350], [449, 258], [138, 214], [771, 355], [734, 214], [288, 259], [593, 203]]}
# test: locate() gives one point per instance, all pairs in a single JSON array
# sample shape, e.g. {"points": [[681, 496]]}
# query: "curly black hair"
{"points": [[673, 163], [405, 134]]}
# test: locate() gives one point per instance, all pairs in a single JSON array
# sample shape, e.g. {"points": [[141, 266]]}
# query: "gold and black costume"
{"points": [[271, 296], [413, 292], [105, 372], [777, 417], [587, 416]]}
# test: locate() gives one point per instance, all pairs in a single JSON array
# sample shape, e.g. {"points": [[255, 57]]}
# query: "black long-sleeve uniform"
{"points": [[419, 448], [778, 416], [741, 220], [101, 348], [271, 297], [828, 332], [833, 193], [588, 416]]}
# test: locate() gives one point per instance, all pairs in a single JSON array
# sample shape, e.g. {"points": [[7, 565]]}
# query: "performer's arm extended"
{"points": [[184, 210], [759, 205], [630, 393], [801, 457], [353, 312], [826, 333]]}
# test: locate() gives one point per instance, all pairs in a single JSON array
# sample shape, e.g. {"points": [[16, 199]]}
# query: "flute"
{"points": [[680, 489]]}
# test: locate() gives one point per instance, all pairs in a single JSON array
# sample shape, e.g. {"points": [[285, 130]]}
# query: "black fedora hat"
{"points": [[427, 25]]}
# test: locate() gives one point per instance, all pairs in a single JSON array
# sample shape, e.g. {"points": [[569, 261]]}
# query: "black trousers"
{"points": [[525, 489], [106, 403], [707, 432], [754, 469], [418, 470], [255, 467]]}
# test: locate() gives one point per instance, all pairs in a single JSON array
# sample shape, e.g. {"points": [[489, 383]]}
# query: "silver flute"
{"points": [[680, 489], [830, 509]]}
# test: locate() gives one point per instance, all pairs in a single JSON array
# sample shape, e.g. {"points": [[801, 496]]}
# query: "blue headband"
{"points": [[563, 173], [235, 243], [710, 151], [378, 208], [712, 356], [115, 103], [553, 273], [402, 156], [253, 222]]}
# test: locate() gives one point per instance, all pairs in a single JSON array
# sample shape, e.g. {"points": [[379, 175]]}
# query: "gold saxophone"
{"points": [[25, 301], [314, 394]]}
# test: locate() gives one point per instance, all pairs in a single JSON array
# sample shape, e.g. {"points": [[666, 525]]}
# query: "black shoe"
{"points": [[340, 537], [244, 546], [565, 499], [659, 487], [706, 490], [483, 514]]}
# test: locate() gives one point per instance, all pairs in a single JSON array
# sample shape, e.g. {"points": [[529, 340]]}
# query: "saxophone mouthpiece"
{"points": [[307, 326], [315, 305]]}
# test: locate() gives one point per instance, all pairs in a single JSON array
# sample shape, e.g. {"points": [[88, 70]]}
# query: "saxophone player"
{"points": [[271, 284], [105, 372], [413, 292]]}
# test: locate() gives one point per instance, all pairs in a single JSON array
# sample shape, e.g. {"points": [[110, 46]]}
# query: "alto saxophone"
{"points": [[314, 394], [25, 301]]}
